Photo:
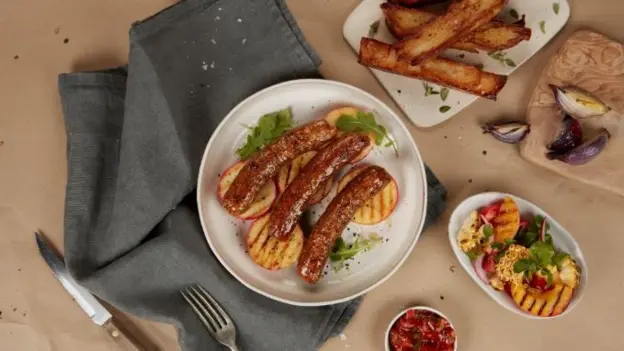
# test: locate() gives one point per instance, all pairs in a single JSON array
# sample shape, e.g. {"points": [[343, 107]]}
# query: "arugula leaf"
{"points": [[556, 8], [343, 251], [548, 238], [502, 58], [542, 25], [509, 241], [269, 128], [373, 29], [510, 62], [364, 122], [444, 94]]}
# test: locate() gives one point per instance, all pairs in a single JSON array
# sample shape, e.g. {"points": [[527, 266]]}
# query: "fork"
{"points": [[212, 315]]}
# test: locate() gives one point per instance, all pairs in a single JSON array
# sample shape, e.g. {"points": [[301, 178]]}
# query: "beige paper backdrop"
{"points": [[41, 38]]}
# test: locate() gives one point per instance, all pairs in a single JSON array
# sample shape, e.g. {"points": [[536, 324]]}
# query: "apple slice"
{"points": [[377, 208], [289, 171], [269, 252], [264, 200], [332, 118]]}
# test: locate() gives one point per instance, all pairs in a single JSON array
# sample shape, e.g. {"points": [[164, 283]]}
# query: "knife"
{"points": [[94, 309]]}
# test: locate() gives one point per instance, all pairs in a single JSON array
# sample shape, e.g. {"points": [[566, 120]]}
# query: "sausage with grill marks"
{"points": [[291, 204], [336, 218], [265, 165]]}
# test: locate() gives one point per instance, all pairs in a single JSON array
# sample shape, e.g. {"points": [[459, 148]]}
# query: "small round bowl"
{"points": [[418, 308]]}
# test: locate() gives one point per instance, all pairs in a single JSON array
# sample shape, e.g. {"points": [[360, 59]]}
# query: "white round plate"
{"points": [[311, 99], [417, 308], [562, 239]]}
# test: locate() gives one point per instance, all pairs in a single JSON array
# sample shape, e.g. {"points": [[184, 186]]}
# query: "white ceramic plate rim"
{"points": [[501, 297], [418, 308], [387, 110]]}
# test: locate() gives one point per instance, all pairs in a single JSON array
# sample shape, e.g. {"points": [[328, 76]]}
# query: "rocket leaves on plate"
{"points": [[343, 251], [365, 122], [269, 128], [373, 29]]}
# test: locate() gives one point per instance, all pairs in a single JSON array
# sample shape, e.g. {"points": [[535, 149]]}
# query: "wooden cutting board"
{"points": [[594, 63]]}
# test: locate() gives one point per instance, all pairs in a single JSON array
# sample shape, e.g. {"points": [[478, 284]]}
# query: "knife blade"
{"points": [[92, 307]]}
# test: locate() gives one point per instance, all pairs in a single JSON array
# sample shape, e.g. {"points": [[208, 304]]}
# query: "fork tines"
{"points": [[206, 308]]}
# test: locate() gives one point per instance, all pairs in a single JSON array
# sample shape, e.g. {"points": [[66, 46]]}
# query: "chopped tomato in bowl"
{"points": [[421, 329]]}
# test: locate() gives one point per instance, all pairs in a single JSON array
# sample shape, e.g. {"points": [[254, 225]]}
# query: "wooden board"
{"points": [[595, 63]]}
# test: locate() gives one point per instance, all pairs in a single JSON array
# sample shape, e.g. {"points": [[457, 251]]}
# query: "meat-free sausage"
{"points": [[291, 204], [265, 165], [336, 218]]}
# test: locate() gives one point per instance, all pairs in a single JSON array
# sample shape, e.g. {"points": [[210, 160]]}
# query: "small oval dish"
{"points": [[420, 328], [518, 254]]}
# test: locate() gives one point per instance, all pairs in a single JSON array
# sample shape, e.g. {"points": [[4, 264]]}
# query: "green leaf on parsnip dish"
{"points": [[269, 127], [365, 122]]}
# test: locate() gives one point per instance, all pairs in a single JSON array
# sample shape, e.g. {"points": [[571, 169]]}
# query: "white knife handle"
{"points": [[124, 340]]}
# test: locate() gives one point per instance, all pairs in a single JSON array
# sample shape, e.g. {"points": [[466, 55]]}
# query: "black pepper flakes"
{"points": [[441, 297], [66, 40], [452, 269], [484, 152], [469, 180], [57, 30], [399, 91], [16, 57], [445, 137], [14, 309]]}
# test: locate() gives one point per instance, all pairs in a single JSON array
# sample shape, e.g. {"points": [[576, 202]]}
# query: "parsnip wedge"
{"points": [[462, 17], [493, 36], [449, 73]]}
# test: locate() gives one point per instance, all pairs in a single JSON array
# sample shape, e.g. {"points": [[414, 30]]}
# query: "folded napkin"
{"points": [[135, 138]]}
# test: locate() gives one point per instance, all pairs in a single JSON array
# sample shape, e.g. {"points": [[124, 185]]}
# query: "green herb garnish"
{"points": [[558, 258], [473, 254], [513, 13], [444, 93], [343, 251], [488, 231], [445, 108], [542, 25], [502, 58], [497, 246], [531, 235], [373, 29], [429, 90], [541, 256], [509, 241], [269, 128], [556, 8], [364, 122]]}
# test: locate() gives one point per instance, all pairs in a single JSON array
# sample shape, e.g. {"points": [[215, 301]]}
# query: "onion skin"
{"points": [[509, 132], [570, 136], [584, 153], [578, 102]]}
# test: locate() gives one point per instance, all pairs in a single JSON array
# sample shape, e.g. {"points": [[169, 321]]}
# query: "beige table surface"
{"points": [[41, 38]]}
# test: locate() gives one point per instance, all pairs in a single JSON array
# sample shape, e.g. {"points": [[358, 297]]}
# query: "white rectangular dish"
{"points": [[409, 93]]}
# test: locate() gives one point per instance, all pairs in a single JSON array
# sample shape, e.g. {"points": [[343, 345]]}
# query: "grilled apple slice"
{"points": [[332, 118], [269, 252], [288, 173], [264, 200], [507, 221], [377, 208]]}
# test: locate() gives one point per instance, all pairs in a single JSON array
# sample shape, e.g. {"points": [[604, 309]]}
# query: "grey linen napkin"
{"points": [[135, 137]]}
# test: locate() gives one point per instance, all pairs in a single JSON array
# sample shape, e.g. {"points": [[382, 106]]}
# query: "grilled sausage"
{"points": [[336, 218], [287, 211], [266, 164]]}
